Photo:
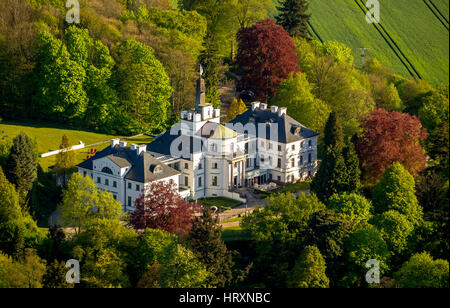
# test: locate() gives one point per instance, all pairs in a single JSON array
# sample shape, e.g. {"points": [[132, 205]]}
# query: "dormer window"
{"points": [[156, 169], [107, 170]]}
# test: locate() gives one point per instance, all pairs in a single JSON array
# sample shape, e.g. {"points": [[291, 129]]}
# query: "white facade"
{"points": [[110, 170]]}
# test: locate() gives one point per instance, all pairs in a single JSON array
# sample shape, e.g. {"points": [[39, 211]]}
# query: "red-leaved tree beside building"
{"points": [[161, 207]]}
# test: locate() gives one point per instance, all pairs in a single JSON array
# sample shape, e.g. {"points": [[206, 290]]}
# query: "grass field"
{"points": [[443, 6], [222, 203], [48, 138], [418, 33]]}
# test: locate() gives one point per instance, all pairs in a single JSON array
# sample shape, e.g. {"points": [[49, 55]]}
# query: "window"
{"points": [[213, 147], [214, 181], [301, 160], [115, 197], [215, 166], [279, 148], [309, 158], [129, 202], [186, 166], [302, 144], [129, 185], [114, 184], [186, 181], [138, 187], [107, 170], [99, 180], [84, 173], [279, 163], [293, 147], [293, 163], [279, 178], [199, 182], [200, 166], [106, 182], [310, 142]]}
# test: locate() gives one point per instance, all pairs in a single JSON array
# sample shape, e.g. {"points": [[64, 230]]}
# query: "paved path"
{"points": [[227, 95], [253, 201]]}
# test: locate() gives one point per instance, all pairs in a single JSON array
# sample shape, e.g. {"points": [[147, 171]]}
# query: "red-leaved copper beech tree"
{"points": [[161, 207], [266, 56], [390, 137]]}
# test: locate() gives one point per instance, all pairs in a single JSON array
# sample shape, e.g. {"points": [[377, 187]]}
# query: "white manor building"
{"points": [[205, 158]]}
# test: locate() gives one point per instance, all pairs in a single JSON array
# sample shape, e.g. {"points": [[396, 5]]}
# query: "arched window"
{"points": [[107, 170]]}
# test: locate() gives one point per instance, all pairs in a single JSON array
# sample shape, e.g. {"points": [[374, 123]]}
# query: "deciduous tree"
{"points": [[396, 191], [421, 271], [236, 108], [295, 93], [351, 207], [161, 207], [266, 56], [363, 245], [390, 137], [83, 203]]}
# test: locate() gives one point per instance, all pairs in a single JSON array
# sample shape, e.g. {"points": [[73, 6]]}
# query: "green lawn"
{"points": [[222, 203], [233, 220], [411, 24], [48, 139]]}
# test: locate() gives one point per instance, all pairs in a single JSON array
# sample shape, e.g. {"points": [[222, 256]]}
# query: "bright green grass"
{"points": [[222, 203], [412, 25], [443, 6], [420, 35], [49, 137], [233, 220], [343, 21]]}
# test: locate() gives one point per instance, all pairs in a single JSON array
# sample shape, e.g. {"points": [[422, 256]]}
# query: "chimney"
{"points": [[255, 105], [263, 106], [274, 109], [139, 148], [114, 142], [123, 144], [282, 111]]}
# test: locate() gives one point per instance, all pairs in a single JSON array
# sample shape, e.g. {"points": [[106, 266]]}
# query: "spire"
{"points": [[200, 100]]}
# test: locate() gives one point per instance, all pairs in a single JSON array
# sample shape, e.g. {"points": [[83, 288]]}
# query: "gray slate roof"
{"points": [[287, 126], [162, 143], [144, 167]]}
